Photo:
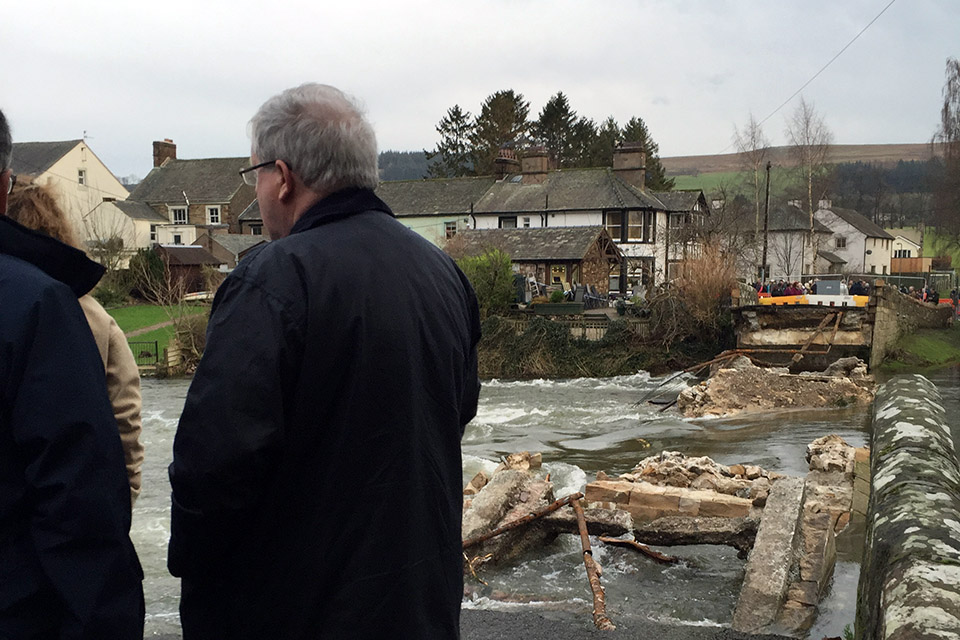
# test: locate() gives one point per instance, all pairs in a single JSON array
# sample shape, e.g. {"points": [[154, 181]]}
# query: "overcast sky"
{"points": [[127, 73]]}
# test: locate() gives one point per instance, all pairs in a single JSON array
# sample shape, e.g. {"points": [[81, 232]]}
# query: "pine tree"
{"points": [[502, 122], [452, 158], [554, 129], [636, 131]]}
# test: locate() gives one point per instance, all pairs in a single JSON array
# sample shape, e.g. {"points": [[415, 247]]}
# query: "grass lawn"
{"points": [[162, 337], [146, 315], [926, 348]]}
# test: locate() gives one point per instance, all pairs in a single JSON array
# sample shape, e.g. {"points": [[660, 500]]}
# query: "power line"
{"points": [[823, 68]]}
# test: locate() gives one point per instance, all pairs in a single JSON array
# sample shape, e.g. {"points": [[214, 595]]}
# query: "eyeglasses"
{"points": [[249, 174], [13, 181]]}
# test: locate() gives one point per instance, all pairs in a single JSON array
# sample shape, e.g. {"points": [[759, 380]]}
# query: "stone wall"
{"points": [[910, 575], [895, 315]]}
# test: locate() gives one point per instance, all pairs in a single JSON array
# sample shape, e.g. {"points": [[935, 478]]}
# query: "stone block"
{"points": [[804, 592], [860, 502], [654, 497], [617, 491], [795, 619], [766, 576], [724, 506], [641, 513], [689, 506]]}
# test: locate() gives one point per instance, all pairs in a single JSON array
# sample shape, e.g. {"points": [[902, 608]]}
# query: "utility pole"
{"points": [[766, 225]]}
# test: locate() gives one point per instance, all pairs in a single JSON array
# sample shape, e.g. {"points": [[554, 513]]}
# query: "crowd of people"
{"points": [[782, 287]]}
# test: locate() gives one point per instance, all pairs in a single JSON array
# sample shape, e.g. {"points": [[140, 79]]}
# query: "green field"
{"points": [[733, 182], [146, 315]]}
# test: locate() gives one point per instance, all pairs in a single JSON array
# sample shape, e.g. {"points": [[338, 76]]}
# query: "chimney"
{"points": [[825, 204], [533, 166], [162, 151], [630, 164], [506, 163]]}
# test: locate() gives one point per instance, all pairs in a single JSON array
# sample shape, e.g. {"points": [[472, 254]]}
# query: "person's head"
{"points": [[6, 157], [34, 206], [317, 142]]}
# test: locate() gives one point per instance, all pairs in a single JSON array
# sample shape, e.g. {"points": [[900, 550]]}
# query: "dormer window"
{"points": [[178, 215]]}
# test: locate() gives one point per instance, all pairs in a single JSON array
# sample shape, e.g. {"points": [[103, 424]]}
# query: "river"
{"points": [[580, 426]]}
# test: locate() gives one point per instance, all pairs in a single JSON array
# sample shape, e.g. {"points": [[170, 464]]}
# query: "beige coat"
{"points": [[123, 385]]}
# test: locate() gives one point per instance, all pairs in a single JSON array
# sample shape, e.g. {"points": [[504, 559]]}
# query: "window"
{"points": [[256, 229], [177, 238], [178, 215], [841, 242], [153, 233], [449, 229], [873, 268], [614, 222], [526, 223], [884, 269], [213, 215], [902, 253], [507, 222], [640, 226], [82, 176]]}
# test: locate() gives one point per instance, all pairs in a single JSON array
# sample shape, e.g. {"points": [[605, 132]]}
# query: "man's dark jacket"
{"points": [[67, 566], [317, 482]]}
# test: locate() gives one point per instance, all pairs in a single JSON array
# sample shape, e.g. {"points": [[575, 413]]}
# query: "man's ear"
{"points": [[287, 182]]}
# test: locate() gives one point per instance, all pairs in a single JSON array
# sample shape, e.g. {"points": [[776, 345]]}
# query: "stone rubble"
{"points": [[741, 387]]}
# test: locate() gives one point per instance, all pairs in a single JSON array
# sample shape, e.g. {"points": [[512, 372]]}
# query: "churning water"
{"points": [[580, 426]]}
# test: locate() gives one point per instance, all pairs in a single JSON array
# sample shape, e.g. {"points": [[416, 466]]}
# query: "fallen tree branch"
{"points": [[513, 524], [600, 618], [645, 550]]}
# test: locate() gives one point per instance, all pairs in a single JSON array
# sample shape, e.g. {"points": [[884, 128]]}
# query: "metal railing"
{"points": [[146, 354]]}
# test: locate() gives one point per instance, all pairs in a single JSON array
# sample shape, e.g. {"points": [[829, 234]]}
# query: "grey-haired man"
{"points": [[317, 483]]}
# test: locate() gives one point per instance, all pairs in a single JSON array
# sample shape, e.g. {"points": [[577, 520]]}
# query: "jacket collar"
{"points": [[340, 205], [59, 261]]}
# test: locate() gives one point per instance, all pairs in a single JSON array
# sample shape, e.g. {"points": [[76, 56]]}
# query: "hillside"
{"points": [[730, 162]]}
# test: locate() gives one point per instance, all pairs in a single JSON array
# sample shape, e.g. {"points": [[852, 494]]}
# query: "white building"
{"points": [[863, 245]]}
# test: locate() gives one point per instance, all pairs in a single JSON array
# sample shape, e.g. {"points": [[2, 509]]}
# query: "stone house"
{"points": [[229, 248], [552, 255], [194, 196], [80, 181], [863, 245]]}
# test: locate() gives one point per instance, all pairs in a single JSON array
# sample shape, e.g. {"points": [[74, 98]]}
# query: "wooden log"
{"points": [[645, 550], [513, 524], [600, 618]]}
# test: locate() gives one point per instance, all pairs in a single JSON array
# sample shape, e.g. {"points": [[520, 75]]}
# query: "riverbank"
{"points": [[545, 349], [924, 349]]}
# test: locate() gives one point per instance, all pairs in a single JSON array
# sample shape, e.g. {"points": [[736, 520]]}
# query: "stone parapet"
{"points": [[910, 575]]}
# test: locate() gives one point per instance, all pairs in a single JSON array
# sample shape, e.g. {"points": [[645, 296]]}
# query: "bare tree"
{"points": [[947, 143], [753, 148], [809, 140], [788, 250]]}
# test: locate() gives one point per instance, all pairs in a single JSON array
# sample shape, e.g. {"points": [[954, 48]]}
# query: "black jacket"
{"points": [[67, 566], [317, 482]]}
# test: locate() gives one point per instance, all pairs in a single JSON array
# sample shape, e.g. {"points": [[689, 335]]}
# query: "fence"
{"points": [[587, 327], [145, 353]]}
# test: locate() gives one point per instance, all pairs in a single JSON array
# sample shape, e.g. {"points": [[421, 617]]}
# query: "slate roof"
{"points": [[860, 223], [236, 243], [206, 180], [678, 200], [534, 244], [188, 255], [437, 196], [252, 212], [33, 158], [566, 189], [791, 218], [139, 211], [832, 258]]}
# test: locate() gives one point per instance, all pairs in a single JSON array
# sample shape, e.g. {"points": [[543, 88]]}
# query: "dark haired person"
{"points": [[67, 566]]}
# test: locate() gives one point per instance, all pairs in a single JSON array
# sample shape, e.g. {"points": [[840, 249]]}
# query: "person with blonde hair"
{"points": [[35, 207]]}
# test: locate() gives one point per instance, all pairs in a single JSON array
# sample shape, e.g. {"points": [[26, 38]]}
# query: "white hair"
{"points": [[321, 133]]}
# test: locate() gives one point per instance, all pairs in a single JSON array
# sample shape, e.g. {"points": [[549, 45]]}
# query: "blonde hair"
{"points": [[36, 207]]}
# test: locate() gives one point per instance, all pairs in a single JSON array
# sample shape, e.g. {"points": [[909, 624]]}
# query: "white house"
{"points": [[863, 245], [78, 178]]}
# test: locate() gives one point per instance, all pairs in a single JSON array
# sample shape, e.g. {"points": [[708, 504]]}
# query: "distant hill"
{"points": [[402, 165], [886, 154]]}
